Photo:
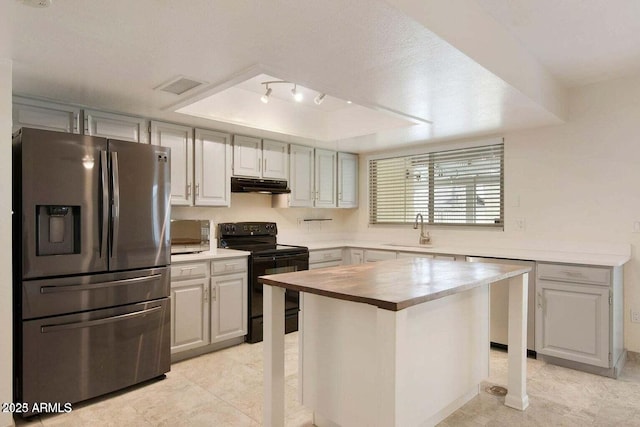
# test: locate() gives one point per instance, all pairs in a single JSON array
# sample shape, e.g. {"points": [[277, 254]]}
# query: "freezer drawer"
{"points": [[50, 297], [76, 357]]}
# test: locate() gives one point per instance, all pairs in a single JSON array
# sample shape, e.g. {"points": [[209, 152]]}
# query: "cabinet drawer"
{"points": [[324, 264], [189, 271], [325, 255], [574, 273], [224, 266]]}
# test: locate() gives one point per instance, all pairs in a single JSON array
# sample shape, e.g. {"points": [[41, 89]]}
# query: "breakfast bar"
{"points": [[395, 343]]}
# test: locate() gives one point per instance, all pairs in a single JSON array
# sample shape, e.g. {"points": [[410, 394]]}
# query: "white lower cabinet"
{"points": [[325, 258], [228, 306], [208, 303], [189, 306], [579, 315], [356, 256]]}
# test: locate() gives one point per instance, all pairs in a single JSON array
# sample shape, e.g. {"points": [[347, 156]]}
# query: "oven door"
{"points": [[262, 265]]}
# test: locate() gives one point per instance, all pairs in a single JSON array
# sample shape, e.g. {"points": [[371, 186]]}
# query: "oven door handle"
{"points": [[277, 257]]}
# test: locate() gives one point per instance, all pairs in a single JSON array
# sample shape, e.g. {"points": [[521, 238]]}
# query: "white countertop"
{"points": [[215, 253], [589, 256]]}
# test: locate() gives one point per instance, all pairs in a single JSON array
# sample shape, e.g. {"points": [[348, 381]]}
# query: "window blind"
{"points": [[454, 187]]}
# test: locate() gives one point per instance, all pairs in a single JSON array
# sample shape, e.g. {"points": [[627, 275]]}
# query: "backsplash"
{"points": [[292, 227]]}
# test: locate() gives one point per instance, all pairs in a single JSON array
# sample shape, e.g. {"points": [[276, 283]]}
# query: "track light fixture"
{"points": [[265, 98], [298, 96], [320, 98]]}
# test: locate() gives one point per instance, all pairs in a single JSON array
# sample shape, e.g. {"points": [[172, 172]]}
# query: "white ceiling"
{"points": [[470, 67]]}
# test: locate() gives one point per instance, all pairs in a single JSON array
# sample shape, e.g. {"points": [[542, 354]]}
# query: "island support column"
{"points": [[273, 411], [517, 354]]}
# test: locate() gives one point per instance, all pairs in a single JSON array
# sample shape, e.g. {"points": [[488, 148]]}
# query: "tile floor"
{"points": [[225, 389]]}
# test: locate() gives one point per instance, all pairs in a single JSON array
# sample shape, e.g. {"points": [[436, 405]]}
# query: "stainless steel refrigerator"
{"points": [[91, 250]]}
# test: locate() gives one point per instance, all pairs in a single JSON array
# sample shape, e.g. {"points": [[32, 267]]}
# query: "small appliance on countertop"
{"points": [[189, 236], [267, 257]]}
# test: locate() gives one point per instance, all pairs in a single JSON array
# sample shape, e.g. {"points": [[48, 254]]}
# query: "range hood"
{"points": [[255, 185]]}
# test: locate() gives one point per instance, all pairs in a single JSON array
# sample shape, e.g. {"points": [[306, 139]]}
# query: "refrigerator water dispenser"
{"points": [[58, 229]]}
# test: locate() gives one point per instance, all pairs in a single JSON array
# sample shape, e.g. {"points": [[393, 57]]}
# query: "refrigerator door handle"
{"points": [[115, 206], [88, 324], [105, 204], [94, 286]]}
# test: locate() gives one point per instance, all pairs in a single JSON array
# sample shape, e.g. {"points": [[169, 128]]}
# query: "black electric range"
{"points": [[267, 257]]}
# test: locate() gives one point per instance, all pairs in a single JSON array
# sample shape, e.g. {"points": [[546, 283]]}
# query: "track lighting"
{"points": [[265, 98], [298, 96]]}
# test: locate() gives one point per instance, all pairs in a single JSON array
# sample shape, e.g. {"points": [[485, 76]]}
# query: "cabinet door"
{"points": [[301, 182], [347, 180], [229, 306], [275, 159], [116, 126], [572, 322], [189, 314], [247, 156], [356, 256], [212, 168], [180, 140], [325, 178], [45, 115]]}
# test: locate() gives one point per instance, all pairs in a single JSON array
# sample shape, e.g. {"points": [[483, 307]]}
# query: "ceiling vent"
{"points": [[180, 85]]}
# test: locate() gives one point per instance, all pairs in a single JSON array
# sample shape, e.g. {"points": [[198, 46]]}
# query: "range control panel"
{"points": [[247, 229]]}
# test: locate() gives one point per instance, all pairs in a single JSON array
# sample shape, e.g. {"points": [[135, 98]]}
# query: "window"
{"points": [[454, 187]]}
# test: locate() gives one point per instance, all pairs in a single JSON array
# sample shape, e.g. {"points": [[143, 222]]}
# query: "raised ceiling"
{"points": [[469, 67]]}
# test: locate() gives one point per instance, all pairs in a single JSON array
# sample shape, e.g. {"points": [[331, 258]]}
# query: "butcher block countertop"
{"points": [[395, 284]]}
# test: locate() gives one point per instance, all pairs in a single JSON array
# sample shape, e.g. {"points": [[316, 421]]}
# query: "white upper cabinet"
{"points": [[247, 156], [320, 178], [116, 126], [180, 140], [253, 157], [347, 180], [45, 115], [275, 160], [301, 182], [325, 178], [212, 168]]}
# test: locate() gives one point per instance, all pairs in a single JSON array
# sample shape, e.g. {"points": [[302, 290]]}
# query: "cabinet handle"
{"points": [[213, 294], [340, 196], [539, 300], [259, 165], [265, 165], [187, 268], [188, 190], [197, 189], [86, 125], [206, 295], [76, 119]]}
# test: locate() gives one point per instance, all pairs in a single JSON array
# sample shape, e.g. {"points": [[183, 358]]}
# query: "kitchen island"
{"points": [[394, 343]]}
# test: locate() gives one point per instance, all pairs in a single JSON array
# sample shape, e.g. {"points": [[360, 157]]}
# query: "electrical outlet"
{"points": [[520, 224], [300, 221], [635, 316], [636, 226]]}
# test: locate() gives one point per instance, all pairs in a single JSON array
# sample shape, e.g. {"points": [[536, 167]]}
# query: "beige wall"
{"points": [[576, 182]]}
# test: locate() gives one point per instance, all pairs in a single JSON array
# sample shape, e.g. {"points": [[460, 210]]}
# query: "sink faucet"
{"points": [[425, 239]]}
